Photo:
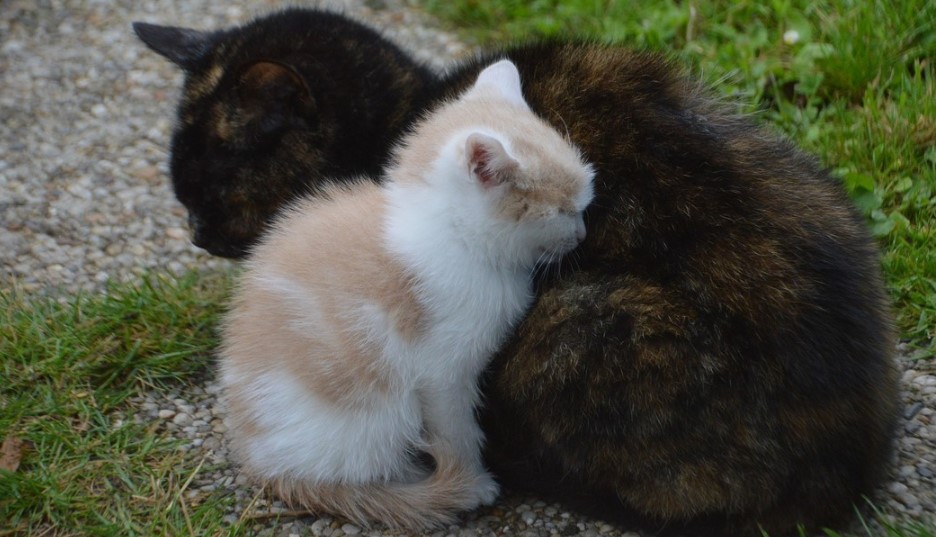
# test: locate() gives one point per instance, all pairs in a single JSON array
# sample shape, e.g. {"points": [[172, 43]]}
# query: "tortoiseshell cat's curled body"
{"points": [[719, 348]]}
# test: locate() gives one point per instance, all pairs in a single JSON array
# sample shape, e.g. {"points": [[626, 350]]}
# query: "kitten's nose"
{"points": [[580, 229]]}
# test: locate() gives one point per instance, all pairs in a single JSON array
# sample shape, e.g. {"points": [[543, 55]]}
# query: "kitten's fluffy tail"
{"points": [[431, 502]]}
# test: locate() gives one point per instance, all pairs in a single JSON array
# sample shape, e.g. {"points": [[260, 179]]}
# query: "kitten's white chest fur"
{"points": [[471, 301]]}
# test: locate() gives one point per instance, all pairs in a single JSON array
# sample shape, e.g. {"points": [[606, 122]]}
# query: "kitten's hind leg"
{"points": [[419, 465], [486, 488], [449, 415]]}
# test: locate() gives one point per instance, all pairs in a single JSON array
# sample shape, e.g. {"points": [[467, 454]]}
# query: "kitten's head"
{"points": [[262, 115], [532, 183], [538, 192]]}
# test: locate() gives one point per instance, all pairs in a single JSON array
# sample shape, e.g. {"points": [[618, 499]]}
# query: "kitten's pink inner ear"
{"points": [[488, 161]]}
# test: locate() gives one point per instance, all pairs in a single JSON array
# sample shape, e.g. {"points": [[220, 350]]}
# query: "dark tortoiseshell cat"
{"points": [[718, 352]]}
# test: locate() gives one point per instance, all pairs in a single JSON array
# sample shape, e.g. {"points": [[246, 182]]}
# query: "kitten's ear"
{"points": [[272, 93], [503, 78], [488, 161], [182, 46]]}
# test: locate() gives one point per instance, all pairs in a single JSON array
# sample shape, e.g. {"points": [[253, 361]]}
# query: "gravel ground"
{"points": [[86, 114]]}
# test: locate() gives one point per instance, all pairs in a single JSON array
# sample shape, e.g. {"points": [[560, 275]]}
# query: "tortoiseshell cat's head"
{"points": [[271, 107]]}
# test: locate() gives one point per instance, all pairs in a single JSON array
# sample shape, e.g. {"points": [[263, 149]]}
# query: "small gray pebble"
{"points": [[182, 419], [912, 410], [318, 526]]}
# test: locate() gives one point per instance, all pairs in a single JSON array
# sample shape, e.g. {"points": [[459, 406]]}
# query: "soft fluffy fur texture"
{"points": [[367, 314], [719, 349]]}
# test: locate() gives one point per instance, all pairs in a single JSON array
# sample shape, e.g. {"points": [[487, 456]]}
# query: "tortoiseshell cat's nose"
{"points": [[197, 229], [220, 246]]}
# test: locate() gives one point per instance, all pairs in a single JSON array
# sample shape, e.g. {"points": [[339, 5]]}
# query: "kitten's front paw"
{"points": [[486, 489]]}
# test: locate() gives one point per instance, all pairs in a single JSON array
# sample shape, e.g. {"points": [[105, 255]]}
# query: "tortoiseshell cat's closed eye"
{"points": [[717, 353]]}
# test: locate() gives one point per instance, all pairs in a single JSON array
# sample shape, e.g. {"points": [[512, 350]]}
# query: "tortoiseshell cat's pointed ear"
{"points": [[182, 46], [272, 92]]}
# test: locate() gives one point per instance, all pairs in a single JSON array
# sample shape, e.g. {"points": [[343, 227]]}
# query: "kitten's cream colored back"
{"points": [[292, 277]]}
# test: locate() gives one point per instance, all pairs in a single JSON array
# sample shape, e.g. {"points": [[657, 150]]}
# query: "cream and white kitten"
{"points": [[366, 315]]}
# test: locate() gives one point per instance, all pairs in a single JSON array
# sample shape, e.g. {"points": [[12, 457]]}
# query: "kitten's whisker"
{"points": [[558, 263], [539, 260], [575, 258], [565, 126]]}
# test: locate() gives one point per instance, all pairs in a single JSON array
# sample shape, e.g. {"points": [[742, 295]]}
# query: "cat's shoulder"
{"points": [[328, 218], [330, 200]]}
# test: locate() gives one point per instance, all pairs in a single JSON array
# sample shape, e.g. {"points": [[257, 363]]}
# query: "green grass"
{"points": [[857, 88], [69, 369]]}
